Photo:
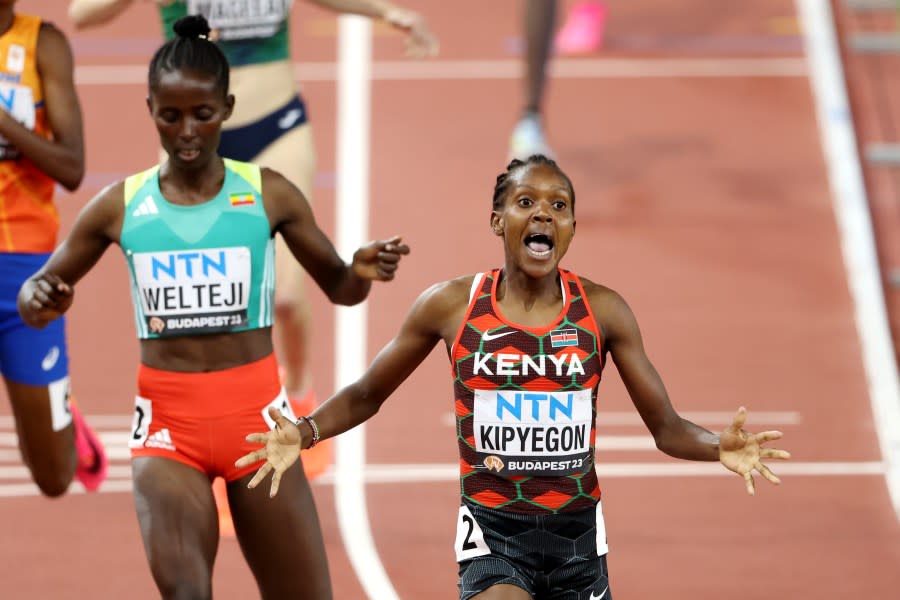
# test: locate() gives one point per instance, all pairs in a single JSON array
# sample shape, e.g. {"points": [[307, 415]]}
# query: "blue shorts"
{"points": [[247, 142], [27, 355]]}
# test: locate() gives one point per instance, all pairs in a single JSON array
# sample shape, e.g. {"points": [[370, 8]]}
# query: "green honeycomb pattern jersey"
{"points": [[526, 404]]}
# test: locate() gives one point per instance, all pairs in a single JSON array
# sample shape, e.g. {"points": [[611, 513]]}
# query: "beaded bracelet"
{"points": [[313, 427]]}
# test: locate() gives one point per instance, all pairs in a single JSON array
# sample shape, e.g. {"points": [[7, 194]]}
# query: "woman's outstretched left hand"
{"points": [[742, 452]]}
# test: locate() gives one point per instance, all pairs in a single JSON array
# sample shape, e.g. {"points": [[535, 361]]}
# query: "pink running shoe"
{"points": [[583, 30], [92, 461]]}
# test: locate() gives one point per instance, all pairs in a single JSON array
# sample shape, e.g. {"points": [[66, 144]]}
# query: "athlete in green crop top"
{"points": [[270, 122], [197, 232]]}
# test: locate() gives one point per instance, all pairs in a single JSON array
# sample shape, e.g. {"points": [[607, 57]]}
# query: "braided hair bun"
{"points": [[192, 26]]}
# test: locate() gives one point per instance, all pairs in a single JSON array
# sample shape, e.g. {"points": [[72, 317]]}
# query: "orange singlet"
{"points": [[28, 218]]}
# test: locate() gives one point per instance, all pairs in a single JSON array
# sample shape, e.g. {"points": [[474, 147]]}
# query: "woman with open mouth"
{"points": [[527, 343]]}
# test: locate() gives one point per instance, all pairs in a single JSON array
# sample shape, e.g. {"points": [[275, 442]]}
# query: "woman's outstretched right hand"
{"points": [[281, 449], [44, 298]]}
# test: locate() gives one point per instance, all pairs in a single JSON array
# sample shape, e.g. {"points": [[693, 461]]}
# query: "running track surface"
{"points": [[703, 200]]}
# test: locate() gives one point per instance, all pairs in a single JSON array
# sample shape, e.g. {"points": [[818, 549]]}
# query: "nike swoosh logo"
{"points": [[50, 360], [603, 593], [493, 336], [290, 118]]}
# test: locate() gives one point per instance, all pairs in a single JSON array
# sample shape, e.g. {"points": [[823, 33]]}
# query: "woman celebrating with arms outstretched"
{"points": [[198, 234], [527, 343]]}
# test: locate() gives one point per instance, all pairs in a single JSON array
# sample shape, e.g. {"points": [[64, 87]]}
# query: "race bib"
{"points": [[194, 291], [282, 403], [469, 537], [18, 101], [242, 19], [533, 433]]}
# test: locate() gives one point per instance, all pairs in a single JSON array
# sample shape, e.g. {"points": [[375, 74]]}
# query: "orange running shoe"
{"points": [[220, 493], [92, 461], [315, 460]]}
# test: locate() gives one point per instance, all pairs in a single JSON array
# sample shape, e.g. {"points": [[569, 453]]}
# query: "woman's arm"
{"points": [[62, 156], [434, 316], [347, 284], [735, 448], [421, 41], [87, 13], [48, 294]]}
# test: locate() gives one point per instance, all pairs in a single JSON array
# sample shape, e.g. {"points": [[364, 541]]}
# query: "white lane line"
{"points": [[446, 70], [853, 217], [116, 444], [446, 473], [705, 418], [21, 472], [450, 472], [352, 219], [29, 489]]}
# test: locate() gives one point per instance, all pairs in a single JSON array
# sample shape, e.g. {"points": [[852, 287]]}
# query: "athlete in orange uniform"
{"points": [[40, 145], [528, 344]]}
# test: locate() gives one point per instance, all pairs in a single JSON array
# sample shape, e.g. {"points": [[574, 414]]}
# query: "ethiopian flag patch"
{"points": [[242, 199]]}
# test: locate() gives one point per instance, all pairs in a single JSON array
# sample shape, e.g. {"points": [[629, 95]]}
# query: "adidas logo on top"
{"points": [[160, 439], [147, 207]]}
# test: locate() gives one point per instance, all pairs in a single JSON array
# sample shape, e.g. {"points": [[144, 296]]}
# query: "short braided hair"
{"points": [[503, 179]]}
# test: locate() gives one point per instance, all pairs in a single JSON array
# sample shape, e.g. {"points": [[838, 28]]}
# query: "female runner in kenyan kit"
{"points": [[527, 343], [198, 236]]}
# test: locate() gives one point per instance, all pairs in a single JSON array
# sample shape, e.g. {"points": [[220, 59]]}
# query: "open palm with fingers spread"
{"points": [[281, 448], [742, 452]]}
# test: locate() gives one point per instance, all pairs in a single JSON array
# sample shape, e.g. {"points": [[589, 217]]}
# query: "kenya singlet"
{"points": [[205, 268], [526, 404], [28, 218]]}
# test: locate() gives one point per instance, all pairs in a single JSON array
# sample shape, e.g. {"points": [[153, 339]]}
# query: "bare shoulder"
{"points": [[111, 198], [447, 296], [274, 182], [612, 313], [441, 307], [52, 43], [283, 200], [601, 296], [106, 210]]}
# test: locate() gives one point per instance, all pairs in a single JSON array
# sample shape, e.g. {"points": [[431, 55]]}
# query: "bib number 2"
{"points": [[140, 423], [469, 537]]}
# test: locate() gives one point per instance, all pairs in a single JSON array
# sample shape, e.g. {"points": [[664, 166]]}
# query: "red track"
{"points": [[704, 201]]}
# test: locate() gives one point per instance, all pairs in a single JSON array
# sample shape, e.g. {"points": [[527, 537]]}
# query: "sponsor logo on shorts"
{"points": [[602, 594], [160, 439], [289, 118], [51, 359]]}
